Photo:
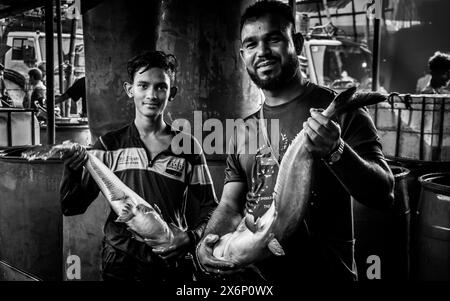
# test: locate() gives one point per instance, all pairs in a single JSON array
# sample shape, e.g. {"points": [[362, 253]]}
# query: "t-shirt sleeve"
{"points": [[360, 133], [233, 170], [76, 91]]}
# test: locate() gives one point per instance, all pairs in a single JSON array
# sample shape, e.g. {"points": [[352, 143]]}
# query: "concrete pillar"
{"points": [[204, 35], [115, 31]]}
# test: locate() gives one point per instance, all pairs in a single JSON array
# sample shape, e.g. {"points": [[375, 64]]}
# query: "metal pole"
{"points": [[49, 71], [72, 50], [355, 33], [60, 49], [376, 54], [292, 4], [376, 45], [318, 12]]}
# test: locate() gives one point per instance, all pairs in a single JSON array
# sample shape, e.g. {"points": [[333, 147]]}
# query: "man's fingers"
{"points": [[327, 123], [210, 240], [164, 251], [309, 145], [79, 161], [319, 128]]}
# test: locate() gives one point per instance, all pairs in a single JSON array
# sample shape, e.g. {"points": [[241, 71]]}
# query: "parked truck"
{"points": [[28, 51]]}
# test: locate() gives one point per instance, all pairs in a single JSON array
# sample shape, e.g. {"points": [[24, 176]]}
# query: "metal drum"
{"points": [[18, 127], [433, 235], [385, 233], [75, 132], [30, 219]]}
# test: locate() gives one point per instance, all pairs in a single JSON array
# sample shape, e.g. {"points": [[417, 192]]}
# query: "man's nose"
{"points": [[263, 49], [150, 93]]}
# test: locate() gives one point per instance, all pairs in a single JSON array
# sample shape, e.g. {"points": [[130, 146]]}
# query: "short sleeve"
{"points": [[233, 170], [360, 133]]}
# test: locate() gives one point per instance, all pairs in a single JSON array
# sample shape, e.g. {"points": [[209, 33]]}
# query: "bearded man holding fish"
{"points": [[285, 212], [148, 184]]}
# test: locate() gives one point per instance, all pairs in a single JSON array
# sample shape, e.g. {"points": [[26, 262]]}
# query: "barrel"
{"points": [[36, 241], [30, 219], [18, 127], [385, 233], [75, 132], [417, 169], [433, 236]]}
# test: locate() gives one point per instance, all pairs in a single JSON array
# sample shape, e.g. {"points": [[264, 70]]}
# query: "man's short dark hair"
{"points": [[35, 74], [153, 59], [265, 7], [439, 62]]}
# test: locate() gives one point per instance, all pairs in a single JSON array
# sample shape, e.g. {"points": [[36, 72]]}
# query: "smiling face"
{"points": [[268, 51], [151, 91]]}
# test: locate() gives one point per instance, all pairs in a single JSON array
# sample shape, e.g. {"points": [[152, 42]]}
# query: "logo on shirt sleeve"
{"points": [[175, 167]]}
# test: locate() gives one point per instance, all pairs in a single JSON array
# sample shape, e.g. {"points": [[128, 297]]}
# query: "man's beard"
{"points": [[288, 70]]}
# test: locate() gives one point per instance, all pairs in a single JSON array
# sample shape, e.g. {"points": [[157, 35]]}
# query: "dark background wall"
{"points": [[115, 31]]}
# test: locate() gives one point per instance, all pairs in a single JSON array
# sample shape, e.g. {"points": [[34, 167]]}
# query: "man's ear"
{"points": [[298, 42], [173, 92], [128, 89], [241, 54]]}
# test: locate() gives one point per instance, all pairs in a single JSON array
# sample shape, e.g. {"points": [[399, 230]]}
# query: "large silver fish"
{"points": [[142, 219], [252, 239]]}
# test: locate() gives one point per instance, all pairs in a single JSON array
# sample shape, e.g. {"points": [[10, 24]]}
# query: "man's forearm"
{"points": [[225, 219], [369, 182]]}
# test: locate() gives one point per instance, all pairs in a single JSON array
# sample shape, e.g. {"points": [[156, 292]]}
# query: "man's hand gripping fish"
{"points": [[252, 239], [142, 219]]}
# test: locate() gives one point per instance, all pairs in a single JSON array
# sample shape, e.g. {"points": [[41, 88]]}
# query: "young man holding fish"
{"points": [[348, 161], [142, 157]]}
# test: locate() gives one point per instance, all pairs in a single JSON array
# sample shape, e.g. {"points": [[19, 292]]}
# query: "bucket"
{"points": [[432, 257], [385, 233]]}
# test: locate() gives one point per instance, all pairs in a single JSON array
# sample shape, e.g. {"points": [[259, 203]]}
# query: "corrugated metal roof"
{"points": [[12, 7]]}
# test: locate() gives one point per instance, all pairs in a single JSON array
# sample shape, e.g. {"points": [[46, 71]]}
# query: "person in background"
{"points": [[439, 65], [422, 82], [76, 92], [38, 90], [41, 66], [4, 98]]}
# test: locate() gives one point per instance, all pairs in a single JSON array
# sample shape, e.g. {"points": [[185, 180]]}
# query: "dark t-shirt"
{"points": [[77, 91], [322, 246]]}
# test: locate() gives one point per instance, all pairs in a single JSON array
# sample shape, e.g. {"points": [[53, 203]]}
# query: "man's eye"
{"points": [[250, 45], [275, 39], [161, 88], [143, 86]]}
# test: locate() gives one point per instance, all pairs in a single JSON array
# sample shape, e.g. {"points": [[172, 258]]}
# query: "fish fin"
{"points": [[250, 222], [275, 247], [157, 209], [126, 214], [143, 209]]}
